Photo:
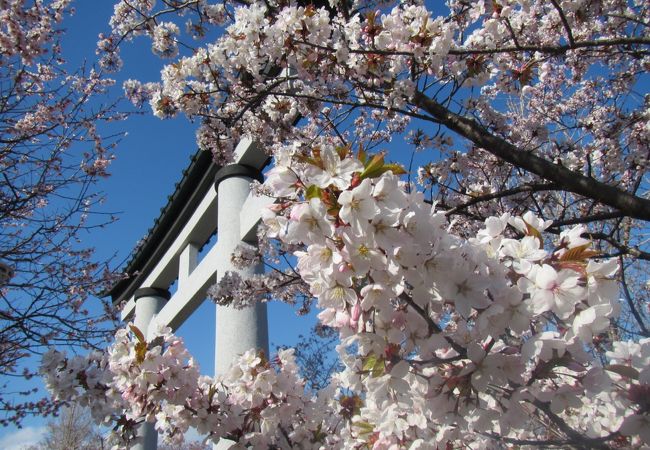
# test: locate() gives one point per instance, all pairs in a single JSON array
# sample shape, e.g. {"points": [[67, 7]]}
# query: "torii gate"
{"points": [[208, 199]]}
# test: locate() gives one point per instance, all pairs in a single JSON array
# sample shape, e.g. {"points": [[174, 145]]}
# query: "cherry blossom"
{"points": [[497, 300]]}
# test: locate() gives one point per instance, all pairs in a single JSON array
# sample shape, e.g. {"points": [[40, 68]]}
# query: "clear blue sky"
{"points": [[149, 161]]}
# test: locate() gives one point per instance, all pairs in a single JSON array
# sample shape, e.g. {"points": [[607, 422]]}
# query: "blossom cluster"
{"points": [[258, 402], [443, 339], [465, 314], [28, 28], [478, 333], [376, 58]]}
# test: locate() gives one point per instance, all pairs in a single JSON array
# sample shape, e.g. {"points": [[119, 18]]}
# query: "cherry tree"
{"points": [[315, 355], [489, 286], [51, 155], [73, 428]]}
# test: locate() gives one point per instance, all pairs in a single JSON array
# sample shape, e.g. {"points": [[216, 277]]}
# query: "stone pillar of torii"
{"points": [[171, 253]]}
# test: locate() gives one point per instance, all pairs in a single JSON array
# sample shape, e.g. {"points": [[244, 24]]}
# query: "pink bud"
{"points": [[356, 311], [355, 314]]}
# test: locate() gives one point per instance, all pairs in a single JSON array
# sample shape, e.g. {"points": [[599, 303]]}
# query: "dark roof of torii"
{"points": [[198, 177]]}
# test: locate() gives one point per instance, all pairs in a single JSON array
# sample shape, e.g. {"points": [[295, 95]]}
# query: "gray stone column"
{"points": [[148, 303], [237, 330]]}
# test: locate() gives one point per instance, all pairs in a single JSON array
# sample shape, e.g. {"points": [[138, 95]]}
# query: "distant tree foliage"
{"points": [[316, 356], [193, 445], [73, 429]]}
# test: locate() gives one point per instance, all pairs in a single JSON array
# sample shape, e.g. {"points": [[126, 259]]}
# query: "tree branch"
{"points": [[566, 179], [482, 198], [574, 436], [432, 325], [553, 49], [586, 219], [630, 301], [625, 249], [565, 22]]}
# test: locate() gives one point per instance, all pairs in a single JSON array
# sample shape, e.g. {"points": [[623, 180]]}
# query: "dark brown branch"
{"points": [[576, 438], [554, 49], [482, 198], [586, 219], [566, 179], [513, 35], [630, 302], [551, 49], [565, 23], [624, 249], [432, 325], [535, 442]]}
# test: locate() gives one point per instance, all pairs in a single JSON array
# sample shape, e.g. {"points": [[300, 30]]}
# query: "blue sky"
{"points": [[149, 161]]}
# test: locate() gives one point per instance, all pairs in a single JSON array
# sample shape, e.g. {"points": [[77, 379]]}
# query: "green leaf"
{"points": [[373, 166], [397, 169], [364, 427], [379, 369], [376, 167], [375, 162], [374, 366], [369, 362], [313, 191]]}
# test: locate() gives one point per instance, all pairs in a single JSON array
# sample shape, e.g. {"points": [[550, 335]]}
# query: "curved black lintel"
{"points": [[237, 170], [151, 292]]}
